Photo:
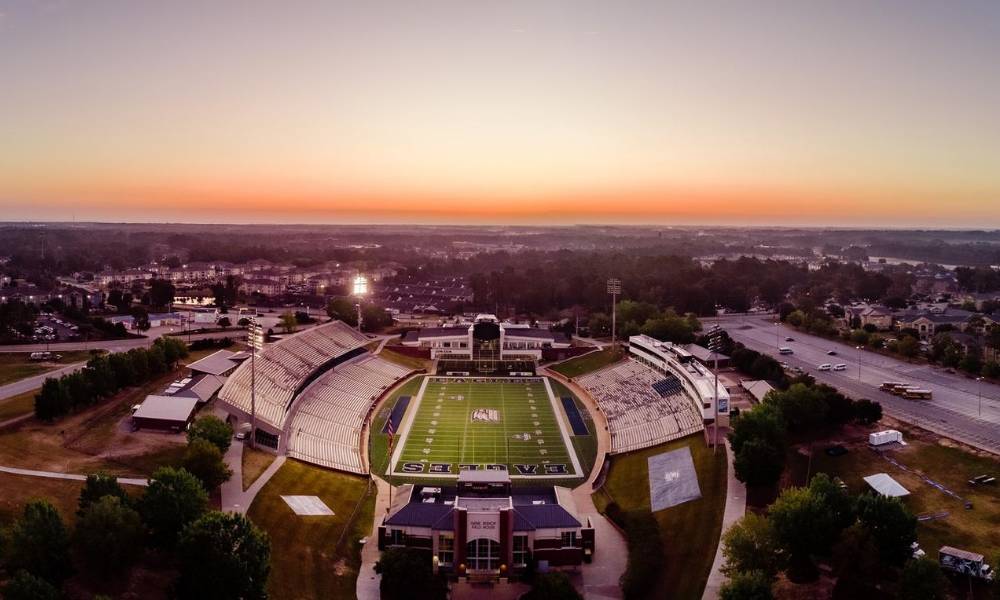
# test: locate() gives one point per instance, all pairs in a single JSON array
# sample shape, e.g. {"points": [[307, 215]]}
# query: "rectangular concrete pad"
{"points": [[672, 479], [308, 506]]}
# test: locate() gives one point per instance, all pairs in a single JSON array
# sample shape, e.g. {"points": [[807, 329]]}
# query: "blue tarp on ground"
{"points": [[397, 414], [672, 479], [574, 416]]}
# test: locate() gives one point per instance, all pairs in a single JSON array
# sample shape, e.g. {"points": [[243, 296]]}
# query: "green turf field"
{"points": [[461, 422]]}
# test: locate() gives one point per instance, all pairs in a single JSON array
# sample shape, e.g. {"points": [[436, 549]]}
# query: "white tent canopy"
{"points": [[886, 485]]}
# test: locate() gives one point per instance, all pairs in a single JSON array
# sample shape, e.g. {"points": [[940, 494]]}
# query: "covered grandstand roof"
{"points": [[285, 366], [218, 363], [166, 408]]}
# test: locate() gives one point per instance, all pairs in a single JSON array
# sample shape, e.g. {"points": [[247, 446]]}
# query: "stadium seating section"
{"points": [[328, 418], [282, 368], [642, 408]]}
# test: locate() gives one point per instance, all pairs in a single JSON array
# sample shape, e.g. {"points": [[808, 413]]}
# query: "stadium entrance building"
{"points": [[486, 338], [483, 530]]}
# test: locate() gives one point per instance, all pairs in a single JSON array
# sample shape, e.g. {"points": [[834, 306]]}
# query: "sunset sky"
{"points": [[884, 114]]}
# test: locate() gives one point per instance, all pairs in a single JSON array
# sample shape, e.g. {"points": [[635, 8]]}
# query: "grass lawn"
{"points": [[482, 423], [17, 365], [255, 462], [94, 439], [18, 405], [410, 362], [593, 361], [314, 557], [977, 530], [690, 531], [19, 489]]}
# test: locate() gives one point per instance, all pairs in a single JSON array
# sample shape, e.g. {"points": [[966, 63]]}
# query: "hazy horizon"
{"points": [[848, 114]]}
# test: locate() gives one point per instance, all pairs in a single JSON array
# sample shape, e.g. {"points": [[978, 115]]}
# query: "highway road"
{"points": [[962, 408], [118, 345]]}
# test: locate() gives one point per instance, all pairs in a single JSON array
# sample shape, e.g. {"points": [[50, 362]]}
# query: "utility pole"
{"points": [[614, 288], [859, 363]]}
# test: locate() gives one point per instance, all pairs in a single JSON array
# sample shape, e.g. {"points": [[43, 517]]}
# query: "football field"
{"points": [[477, 423]]}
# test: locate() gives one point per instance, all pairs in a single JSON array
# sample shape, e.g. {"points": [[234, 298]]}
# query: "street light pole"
{"points": [[980, 380], [713, 347], [859, 363]]}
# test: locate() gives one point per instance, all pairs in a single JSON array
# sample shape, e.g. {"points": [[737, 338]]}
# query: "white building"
{"points": [[672, 359]]}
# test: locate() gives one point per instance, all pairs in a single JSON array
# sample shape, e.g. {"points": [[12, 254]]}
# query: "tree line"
{"points": [[104, 375], [863, 537]]}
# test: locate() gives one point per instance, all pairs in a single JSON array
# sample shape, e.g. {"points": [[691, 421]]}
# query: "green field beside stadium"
{"points": [[484, 422]]}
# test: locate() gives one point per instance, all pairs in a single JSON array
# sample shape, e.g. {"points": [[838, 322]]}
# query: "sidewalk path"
{"points": [[736, 507], [234, 499], [367, 585], [68, 476], [35, 381]]}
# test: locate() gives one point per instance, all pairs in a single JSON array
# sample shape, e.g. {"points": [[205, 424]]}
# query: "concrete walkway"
{"points": [[68, 476], [736, 507], [367, 584], [35, 381], [234, 499]]}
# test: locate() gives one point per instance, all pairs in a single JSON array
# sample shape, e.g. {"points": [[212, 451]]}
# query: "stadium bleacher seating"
{"points": [[282, 368], [643, 408], [327, 422]]}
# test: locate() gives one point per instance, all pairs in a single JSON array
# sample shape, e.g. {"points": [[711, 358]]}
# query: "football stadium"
{"points": [[508, 424], [475, 441]]}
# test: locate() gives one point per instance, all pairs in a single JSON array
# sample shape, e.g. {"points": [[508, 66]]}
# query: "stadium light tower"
{"points": [[614, 288], [255, 338], [714, 345], [359, 289]]}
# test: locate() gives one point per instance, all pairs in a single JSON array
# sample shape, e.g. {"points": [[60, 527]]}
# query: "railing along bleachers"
{"points": [[283, 367], [326, 427], [642, 408]]}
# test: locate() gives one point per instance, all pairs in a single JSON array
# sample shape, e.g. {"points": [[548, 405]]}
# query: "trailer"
{"points": [[964, 562], [889, 436]]}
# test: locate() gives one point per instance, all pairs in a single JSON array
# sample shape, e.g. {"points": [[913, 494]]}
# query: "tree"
{"points": [[288, 322], [141, 316], [25, 586], [892, 525], [97, 486], [108, 535], [922, 579], [867, 412], [759, 463], [204, 460], [223, 556], [797, 516], [856, 563], [552, 586], [750, 545], [173, 499], [39, 543], [752, 585], [161, 292], [802, 407], [52, 400], [909, 346], [212, 429], [406, 574], [342, 309], [758, 442], [224, 322]]}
